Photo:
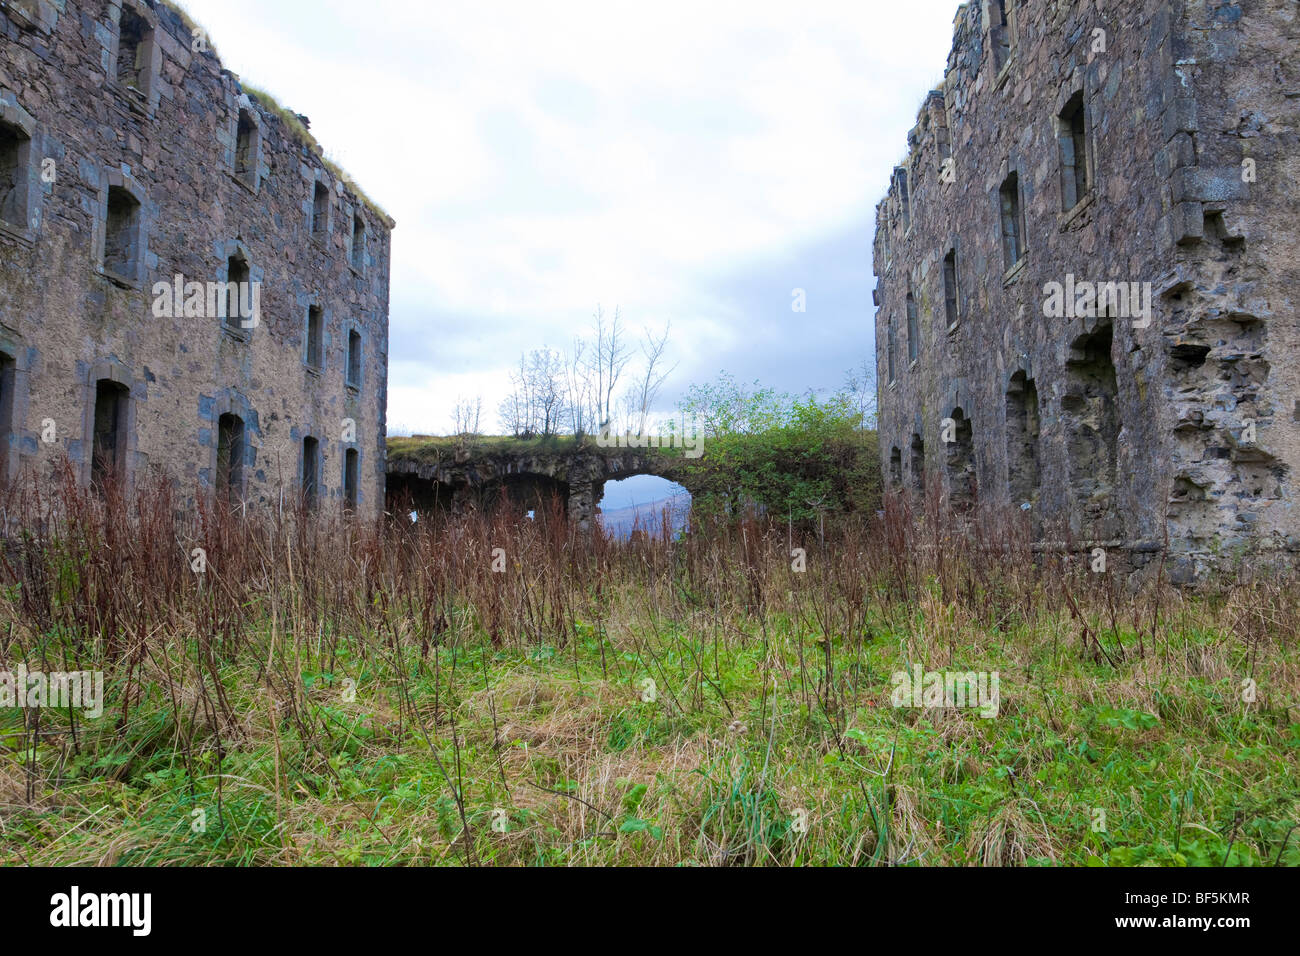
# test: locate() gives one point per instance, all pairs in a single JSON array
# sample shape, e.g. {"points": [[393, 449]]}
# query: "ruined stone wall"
{"points": [[139, 159], [1100, 142], [577, 477]]}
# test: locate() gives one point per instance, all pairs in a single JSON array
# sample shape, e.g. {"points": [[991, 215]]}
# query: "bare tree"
{"points": [[646, 388], [468, 413], [578, 394], [546, 372], [516, 410], [608, 360], [860, 383]]}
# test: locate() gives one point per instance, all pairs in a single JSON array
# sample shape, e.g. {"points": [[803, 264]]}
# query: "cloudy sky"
{"points": [[691, 162]]}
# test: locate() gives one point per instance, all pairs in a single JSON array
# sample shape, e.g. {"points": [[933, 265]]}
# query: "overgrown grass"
{"points": [[331, 693]]}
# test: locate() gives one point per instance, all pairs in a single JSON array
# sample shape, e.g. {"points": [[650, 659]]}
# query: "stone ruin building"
{"points": [[185, 282], [1148, 150]]}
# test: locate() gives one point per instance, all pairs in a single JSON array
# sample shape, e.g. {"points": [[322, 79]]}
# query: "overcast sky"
{"points": [[692, 162]]}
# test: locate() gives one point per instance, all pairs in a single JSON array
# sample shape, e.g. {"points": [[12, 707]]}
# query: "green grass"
{"points": [[738, 747]]}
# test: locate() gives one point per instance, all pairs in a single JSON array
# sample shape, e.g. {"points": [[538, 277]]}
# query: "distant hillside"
{"points": [[620, 522]]}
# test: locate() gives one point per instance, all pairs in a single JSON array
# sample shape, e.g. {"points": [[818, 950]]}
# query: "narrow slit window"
{"points": [[8, 374], [316, 337], [913, 330], [950, 300], [354, 358], [238, 292], [1074, 151], [889, 347], [247, 148], [1012, 226], [351, 460], [1000, 32], [905, 198], [230, 457], [320, 211], [358, 243], [310, 472]]}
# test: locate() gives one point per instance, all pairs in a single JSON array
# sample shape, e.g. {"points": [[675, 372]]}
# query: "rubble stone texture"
{"points": [[1147, 141], [128, 157]]}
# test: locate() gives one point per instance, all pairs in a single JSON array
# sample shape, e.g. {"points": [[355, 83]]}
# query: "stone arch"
{"points": [[959, 444], [1090, 407], [1024, 425], [917, 462], [525, 490]]}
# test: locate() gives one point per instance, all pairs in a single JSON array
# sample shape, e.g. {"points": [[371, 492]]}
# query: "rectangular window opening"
{"points": [[122, 234], [889, 347], [358, 243], [320, 210], [1000, 32], [238, 293], [950, 300], [108, 442], [905, 199], [351, 459], [1012, 227], [132, 50], [230, 457], [310, 472], [1073, 138], [913, 330], [8, 375], [15, 149], [246, 144], [354, 358], [316, 337]]}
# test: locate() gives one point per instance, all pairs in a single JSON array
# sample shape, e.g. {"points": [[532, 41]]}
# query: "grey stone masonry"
{"points": [[1089, 274], [185, 283]]}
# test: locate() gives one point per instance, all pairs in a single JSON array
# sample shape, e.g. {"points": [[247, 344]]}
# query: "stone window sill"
{"points": [[1013, 274], [892, 385], [136, 99], [236, 333], [353, 387], [913, 364], [1076, 211], [125, 282], [25, 236], [313, 370], [239, 178], [359, 273], [1005, 71]]}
